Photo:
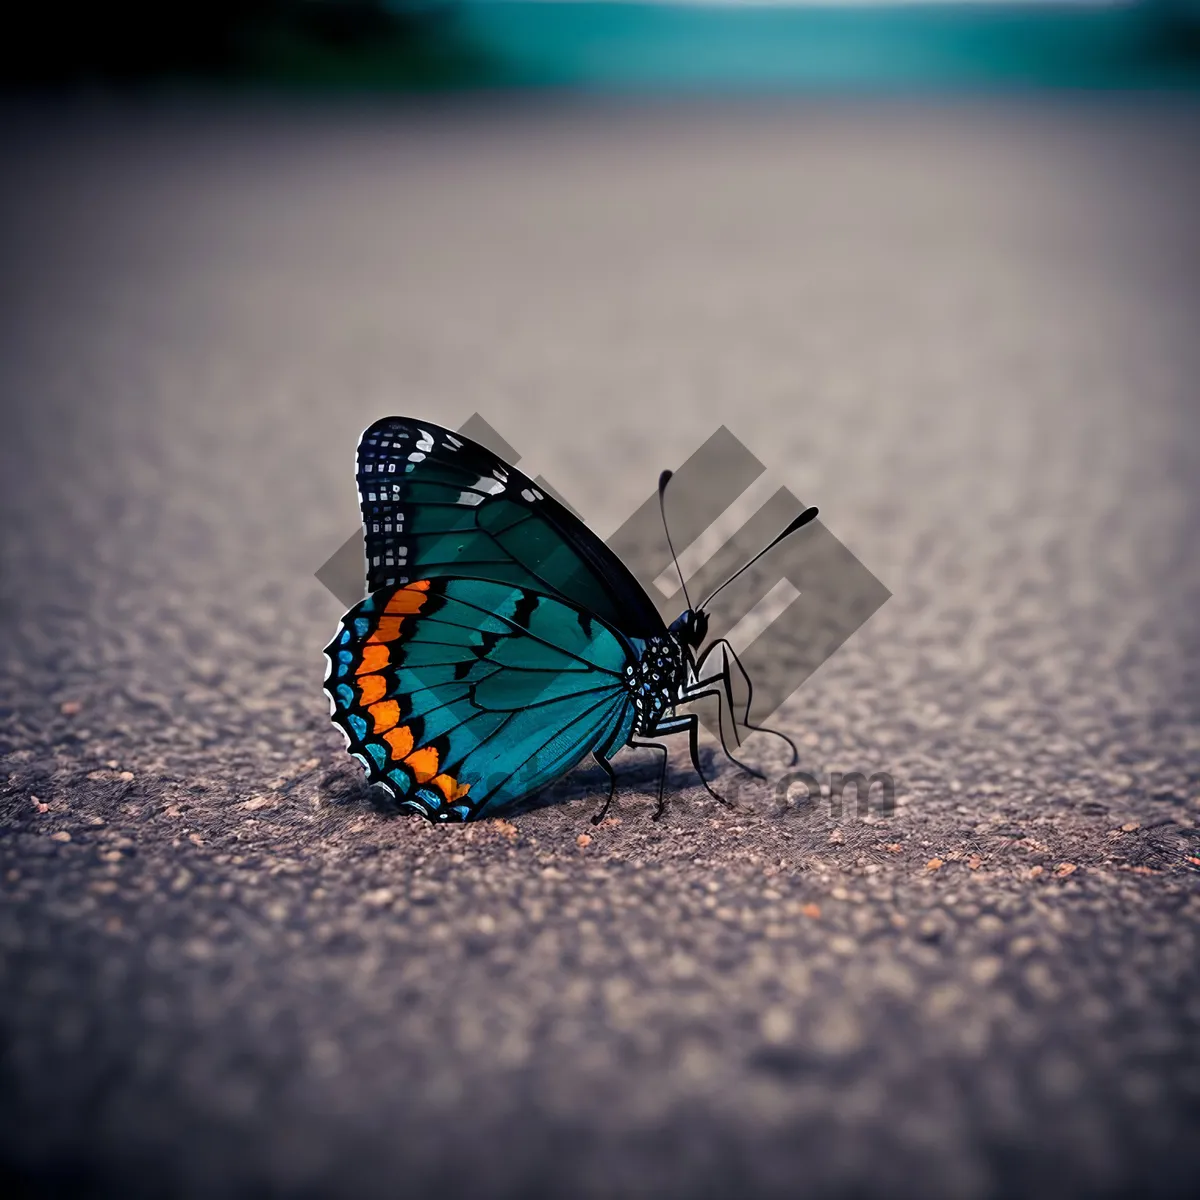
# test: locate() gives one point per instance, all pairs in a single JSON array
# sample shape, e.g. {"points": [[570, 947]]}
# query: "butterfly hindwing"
{"points": [[437, 504], [463, 696]]}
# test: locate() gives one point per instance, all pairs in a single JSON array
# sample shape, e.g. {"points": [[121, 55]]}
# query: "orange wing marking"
{"points": [[450, 788], [386, 712], [423, 763], [400, 741], [374, 658], [371, 688], [408, 599]]}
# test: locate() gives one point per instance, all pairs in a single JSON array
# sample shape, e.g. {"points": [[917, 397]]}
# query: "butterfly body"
{"points": [[656, 681], [501, 643]]}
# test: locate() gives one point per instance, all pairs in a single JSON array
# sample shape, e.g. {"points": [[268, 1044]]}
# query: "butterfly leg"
{"points": [[612, 784], [698, 692], [662, 775], [724, 674], [722, 678], [689, 723]]}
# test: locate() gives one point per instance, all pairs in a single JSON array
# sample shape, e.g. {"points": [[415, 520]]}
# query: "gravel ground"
{"points": [[966, 331]]}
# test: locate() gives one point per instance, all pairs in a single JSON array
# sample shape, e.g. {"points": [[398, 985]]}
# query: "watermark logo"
{"points": [[803, 793], [785, 616]]}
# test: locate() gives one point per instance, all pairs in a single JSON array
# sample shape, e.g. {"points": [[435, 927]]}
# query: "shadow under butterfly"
{"points": [[502, 641]]}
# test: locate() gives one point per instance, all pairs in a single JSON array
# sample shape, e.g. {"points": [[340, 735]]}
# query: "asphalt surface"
{"points": [[967, 332]]}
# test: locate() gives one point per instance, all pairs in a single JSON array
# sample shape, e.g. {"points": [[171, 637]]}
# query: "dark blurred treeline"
{"points": [[423, 44], [130, 41]]}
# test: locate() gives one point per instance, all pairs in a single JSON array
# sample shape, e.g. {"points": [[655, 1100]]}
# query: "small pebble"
{"points": [[776, 1025], [984, 970]]}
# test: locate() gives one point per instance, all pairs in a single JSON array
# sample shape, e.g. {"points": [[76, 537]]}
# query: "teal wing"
{"points": [[463, 697], [436, 504]]}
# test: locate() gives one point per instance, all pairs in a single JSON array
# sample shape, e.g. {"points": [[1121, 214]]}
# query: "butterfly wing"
{"points": [[437, 504], [464, 696]]}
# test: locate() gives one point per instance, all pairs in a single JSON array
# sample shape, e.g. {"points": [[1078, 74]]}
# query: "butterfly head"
{"points": [[691, 628]]}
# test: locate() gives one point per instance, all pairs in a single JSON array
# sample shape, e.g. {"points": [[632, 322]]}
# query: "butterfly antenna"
{"points": [[803, 519], [663, 480]]}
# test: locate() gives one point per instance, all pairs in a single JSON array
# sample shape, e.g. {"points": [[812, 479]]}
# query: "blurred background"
{"points": [[936, 265], [399, 44]]}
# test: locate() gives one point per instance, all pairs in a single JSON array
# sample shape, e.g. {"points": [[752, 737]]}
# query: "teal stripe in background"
{"points": [[682, 47], [422, 45]]}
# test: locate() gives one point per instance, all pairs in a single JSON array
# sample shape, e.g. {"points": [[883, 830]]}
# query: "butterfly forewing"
{"points": [[436, 504]]}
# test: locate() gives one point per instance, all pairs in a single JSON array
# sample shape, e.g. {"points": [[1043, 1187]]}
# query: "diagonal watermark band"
{"points": [[788, 614]]}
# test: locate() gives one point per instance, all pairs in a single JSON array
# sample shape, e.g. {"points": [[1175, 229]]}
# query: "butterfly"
{"points": [[502, 641]]}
